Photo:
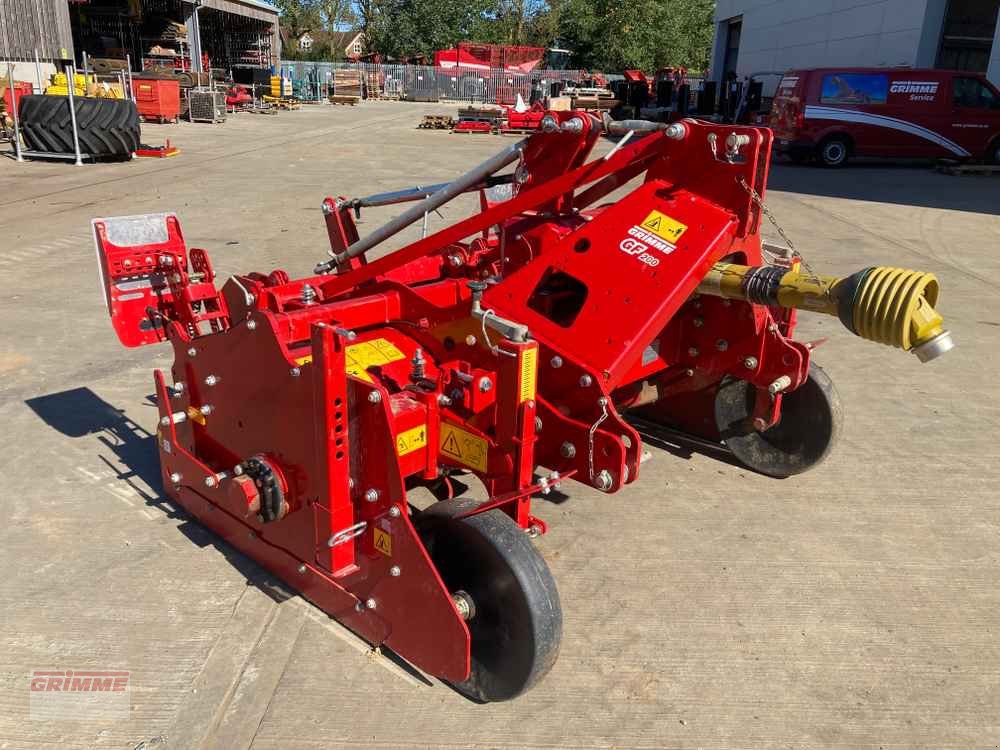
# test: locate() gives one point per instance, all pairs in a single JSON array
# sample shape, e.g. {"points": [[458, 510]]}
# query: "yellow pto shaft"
{"points": [[892, 306]]}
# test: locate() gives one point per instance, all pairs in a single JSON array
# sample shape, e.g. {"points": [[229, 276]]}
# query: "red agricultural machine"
{"points": [[299, 412]]}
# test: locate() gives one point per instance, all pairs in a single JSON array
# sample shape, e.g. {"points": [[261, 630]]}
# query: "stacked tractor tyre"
{"points": [[107, 128]]}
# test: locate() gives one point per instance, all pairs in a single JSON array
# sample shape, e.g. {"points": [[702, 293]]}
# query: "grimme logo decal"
{"points": [[79, 694], [923, 91]]}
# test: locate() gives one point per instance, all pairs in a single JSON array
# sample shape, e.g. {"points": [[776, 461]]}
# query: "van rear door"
{"points": [[787, 107]]}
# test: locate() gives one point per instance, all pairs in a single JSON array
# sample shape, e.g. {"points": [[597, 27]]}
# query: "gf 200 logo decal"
{"points": [[634, 247]]}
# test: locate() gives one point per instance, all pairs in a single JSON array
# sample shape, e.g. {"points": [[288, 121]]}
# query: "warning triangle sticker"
{"points": [[451, 446], [652, 223]]}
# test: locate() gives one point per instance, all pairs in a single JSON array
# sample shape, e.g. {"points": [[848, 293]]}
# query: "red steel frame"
{"points": [[326, 385]]}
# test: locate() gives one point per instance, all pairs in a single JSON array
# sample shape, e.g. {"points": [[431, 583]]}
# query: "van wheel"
{"points": [[834, 152], [993, 152]]}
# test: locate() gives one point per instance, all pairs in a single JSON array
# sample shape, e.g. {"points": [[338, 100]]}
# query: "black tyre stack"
{"points": [[106, 127]]}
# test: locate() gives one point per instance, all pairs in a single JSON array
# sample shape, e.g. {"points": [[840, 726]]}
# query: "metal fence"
{"points": [[424, 83]]}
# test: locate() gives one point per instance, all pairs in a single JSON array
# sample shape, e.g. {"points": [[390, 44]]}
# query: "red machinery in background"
{"points": [[487, 57], [298, 412]]}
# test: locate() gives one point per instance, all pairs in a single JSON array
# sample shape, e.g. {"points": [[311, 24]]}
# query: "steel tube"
{"points": [[13, 107], [432, 202], [38, 73], [419, 192], [71, 75]]}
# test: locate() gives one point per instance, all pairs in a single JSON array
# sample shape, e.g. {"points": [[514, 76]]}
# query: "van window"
{"points": [[971, 92], [854, 88], [787, 85]]}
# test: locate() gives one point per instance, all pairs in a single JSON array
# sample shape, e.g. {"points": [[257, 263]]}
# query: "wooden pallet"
{"points": [[437, 122], [344, 99], [957, 168]]}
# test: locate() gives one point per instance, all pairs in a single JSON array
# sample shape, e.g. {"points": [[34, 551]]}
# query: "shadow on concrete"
{"points": [[904, 183], [79, 412]]}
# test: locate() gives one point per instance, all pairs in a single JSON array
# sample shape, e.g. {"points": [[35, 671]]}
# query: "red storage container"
{"points": [[157, 100], [20, 89]]}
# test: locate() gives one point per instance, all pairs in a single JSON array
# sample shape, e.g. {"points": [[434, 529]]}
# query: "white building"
{"points": [[775, 35]]}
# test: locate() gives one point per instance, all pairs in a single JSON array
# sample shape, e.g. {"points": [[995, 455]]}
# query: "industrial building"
{"points": [[754, 36], [229, 35]]}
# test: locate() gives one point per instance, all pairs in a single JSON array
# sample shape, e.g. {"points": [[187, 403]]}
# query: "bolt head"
{"points": [[371, 603], [444, 400], [567, 450], [211, 380], [210, 481], [394, 511], [485, 384], [394, 571], [603, 480], [698, 322], [375, 397], [295, 372], [302, 568], [538, 424], [750, 363], [586, 381], [371, 495], [722, 345], [455, 260], [470, 340], [206, 409], [251, 324], [556, 361], [165, 421], [693, 351], [176, 477], [192, 352]]}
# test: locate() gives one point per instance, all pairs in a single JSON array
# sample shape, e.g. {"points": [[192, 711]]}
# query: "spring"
{"points": [[886, 303]]}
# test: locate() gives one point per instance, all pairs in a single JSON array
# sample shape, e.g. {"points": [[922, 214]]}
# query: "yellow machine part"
{"points": [[83, 86], [891, 306]]}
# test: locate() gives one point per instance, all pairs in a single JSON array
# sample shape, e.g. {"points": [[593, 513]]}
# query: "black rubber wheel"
{"points": [[516, 625], [834, 152], [106, 127], [810, 422], [993, 152]]}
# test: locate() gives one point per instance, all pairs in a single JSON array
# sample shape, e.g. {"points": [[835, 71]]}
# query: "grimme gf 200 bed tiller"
{"points": [[299, 412]]}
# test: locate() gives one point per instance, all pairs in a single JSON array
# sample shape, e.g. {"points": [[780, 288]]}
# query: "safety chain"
{"points": [[755, 197], [603, 402]]}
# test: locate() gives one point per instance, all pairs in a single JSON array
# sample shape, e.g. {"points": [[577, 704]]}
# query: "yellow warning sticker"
{"points": [[359, 357], [383, 542], [374, 353], [663, 226], [529, 373], [411, 440], [463, 447]]}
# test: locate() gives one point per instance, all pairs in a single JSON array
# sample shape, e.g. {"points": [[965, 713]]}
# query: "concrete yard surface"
{"points": [[705, 606]]}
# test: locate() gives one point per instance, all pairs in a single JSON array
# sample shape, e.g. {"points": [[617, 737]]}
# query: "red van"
{"points": [[831, 114]]}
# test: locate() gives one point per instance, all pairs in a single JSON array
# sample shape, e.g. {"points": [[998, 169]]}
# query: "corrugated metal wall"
{"points": [[29, 25]]}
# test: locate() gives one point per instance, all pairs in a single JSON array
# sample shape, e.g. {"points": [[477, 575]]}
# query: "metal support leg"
{"points": [[13, 107], [71, 75], [38, 73]]}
